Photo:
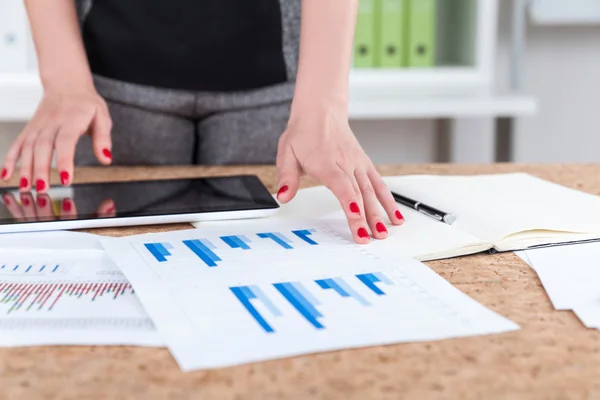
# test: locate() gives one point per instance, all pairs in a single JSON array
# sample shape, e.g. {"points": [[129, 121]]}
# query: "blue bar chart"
{"points": [[278, 238], [204, 250], [160, 251], [215, 250], [307, 302], [237, 241], [31, 269]]}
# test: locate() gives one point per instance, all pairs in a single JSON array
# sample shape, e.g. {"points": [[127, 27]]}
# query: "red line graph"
{"points": [[46, 295]]}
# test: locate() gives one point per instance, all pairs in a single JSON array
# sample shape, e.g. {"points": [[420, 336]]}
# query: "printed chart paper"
{"points": [[69, 298], [245, 294]]}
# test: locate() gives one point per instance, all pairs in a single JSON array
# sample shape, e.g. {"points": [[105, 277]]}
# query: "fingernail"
{"points": [[66, 205], [399, 215], [282, 190], [41, 201], [23, 183], [25, 201], [64, 178], [380, 227], [40, 185], [363, 233], [6, 199], [110, 209], [4, 173], [354, 208], [107, 153]]}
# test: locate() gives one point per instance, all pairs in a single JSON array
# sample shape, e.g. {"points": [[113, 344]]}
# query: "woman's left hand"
{"points": [[322, 145]]}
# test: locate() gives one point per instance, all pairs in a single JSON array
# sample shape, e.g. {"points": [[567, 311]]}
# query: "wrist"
{"points": [[307, 103], [66, 80]]}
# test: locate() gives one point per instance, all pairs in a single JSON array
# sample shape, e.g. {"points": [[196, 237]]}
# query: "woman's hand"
{"points": [[322, 145], [63, 116]]}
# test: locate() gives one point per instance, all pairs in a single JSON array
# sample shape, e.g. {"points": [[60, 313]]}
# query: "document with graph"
{"points": [[69, 298], [239, 293]]}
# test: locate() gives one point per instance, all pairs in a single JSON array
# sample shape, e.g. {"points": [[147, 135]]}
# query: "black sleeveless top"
{"points": [[199, 45]]}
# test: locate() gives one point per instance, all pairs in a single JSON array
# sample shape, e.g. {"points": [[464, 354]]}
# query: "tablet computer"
{"points": [[111, 204]]}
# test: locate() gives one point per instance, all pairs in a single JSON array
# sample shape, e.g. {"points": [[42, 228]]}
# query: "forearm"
{"points": [[58, 43], [326, 38]]}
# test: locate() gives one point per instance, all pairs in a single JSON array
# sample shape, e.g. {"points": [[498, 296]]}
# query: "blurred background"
{"points": [[462, 81]]}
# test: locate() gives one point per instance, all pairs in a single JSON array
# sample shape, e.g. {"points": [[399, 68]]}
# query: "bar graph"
{"points": [[215, 250], [32, 269], [46, 296], [278, 238], [160, 251], [237, 241], [204, 250], [305, 301], [371, 280]]}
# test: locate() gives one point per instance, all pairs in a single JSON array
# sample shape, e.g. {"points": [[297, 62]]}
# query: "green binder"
{"points": [[421, 36], [364, 37], [391, 43]]}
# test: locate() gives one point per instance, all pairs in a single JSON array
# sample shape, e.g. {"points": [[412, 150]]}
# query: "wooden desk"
{"points": [[552, 357]]}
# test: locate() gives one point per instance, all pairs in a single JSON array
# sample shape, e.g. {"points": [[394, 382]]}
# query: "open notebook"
{"points": [[503, 212]]}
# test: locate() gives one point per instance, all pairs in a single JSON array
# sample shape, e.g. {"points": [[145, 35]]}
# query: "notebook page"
{"points": [[420, 236], [493, 207]]}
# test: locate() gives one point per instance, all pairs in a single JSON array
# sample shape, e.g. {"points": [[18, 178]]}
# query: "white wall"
{"points": [[562, 71]]}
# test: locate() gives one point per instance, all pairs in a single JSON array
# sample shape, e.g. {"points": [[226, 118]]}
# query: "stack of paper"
{"points": [[571, 277], [228, 293], [235, 293]]}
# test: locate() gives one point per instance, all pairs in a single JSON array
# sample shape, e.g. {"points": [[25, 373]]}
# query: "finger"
{"points": [[26, 163], [66, 143], [107, 209], [42, 159], [288, 175], [372, 207], [44, 209], [101, 141], [10, 161], [68, 209], [385, 197], [12, 205], [28, 207], [342, 187]]}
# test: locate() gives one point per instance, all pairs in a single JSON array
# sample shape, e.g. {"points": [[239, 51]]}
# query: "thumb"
{"points": [[101, 141], [288, 176]]}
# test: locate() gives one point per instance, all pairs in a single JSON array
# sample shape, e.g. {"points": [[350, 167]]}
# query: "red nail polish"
{"points": [[107, 153], [66, 205], [380, 227], [4, 173], [354, 208], [25, 201], [399, 215], [363, 233], [110, 209], [23, 183], [41, 201], [64, 178], [6, 199], [40, 185], [282, 190]]}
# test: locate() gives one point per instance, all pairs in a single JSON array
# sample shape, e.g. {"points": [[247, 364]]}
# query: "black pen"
{"points": [[425, 209]]}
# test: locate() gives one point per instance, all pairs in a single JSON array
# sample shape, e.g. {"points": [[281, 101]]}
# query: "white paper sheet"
{"points": [[69, 297], [52, 240], [570, 274], [278, 289]]}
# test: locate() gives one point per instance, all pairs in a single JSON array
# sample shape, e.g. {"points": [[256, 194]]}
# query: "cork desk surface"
{"points": [[552, 356]]}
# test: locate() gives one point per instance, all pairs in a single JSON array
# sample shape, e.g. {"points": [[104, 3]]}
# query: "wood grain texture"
{"points": [[552, 356]]}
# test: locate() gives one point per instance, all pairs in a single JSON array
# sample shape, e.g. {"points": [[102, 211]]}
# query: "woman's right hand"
{"points": [[63, 116]]}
